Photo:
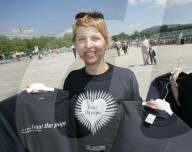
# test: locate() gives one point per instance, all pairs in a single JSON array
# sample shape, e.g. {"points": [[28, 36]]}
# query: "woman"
{"points": [[91, 39], [97, 82]]}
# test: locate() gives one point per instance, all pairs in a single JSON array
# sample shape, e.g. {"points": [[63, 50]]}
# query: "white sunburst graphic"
{"points": [[94, 109]]}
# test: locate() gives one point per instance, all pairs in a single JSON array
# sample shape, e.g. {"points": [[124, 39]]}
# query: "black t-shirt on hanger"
{"points": [[185, 98], [166, 134], [42, 121], [158, 90]]}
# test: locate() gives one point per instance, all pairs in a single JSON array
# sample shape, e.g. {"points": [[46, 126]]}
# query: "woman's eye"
{"points": [[81, 39], [96, 38]]}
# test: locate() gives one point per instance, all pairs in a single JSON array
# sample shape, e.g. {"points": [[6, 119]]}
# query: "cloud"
{"points": [[63, 33], [169, 23], [158, 23], [134, 25], [163, 3], [132, 2], [160, 2], [171, 3], [145, 1], [68, 30]]}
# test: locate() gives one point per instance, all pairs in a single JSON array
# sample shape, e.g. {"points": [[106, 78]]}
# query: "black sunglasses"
{"points": [[94, 15]]}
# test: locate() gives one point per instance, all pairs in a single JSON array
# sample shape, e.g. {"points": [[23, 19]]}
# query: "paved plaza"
{"points": [[52, 70]]}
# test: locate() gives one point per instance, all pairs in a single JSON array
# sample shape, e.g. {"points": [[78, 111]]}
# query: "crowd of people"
{"points": [[147, 50], [124, 45]]}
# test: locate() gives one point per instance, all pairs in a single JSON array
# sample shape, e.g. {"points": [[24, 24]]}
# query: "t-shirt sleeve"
{"points": [[134, 88], [66, 83]]}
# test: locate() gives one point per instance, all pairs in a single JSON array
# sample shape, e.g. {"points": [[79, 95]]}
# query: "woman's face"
{"points": [[90, 45]]}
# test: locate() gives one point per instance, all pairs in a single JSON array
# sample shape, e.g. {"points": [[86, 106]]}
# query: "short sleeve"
{"points": [[66, 83], [134, 94]]}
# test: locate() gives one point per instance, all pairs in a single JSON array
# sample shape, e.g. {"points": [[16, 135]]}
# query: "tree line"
{"points": [[46, 43], [122, 36], [165, 28], [136, 34], [27, 45]]}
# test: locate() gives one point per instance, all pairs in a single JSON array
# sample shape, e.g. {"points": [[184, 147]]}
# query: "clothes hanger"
{"points": [[178, 66], [163, 103], [39, 87]]}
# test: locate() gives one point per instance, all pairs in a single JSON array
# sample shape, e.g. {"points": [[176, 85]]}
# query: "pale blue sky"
{"points": [[56, 16]]}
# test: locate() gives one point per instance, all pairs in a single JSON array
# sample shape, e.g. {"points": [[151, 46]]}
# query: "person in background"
{"points": [[18, 58], [152, 54], [118, 47], [145, 46], [74, 52], [30, 55], [125, 47]]}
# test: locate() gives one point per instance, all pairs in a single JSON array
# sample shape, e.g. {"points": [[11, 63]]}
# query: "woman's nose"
{"points": [[88, 43]]}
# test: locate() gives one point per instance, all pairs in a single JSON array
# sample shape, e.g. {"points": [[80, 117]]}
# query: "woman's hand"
{"points": [[173, 79], [153, 105], [28, 86], [174, 76]]}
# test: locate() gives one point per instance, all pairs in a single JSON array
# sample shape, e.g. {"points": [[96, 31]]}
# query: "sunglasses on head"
{"points": [[94, 15]]}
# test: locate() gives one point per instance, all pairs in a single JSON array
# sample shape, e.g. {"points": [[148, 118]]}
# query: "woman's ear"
{"points": [[106, 45]]}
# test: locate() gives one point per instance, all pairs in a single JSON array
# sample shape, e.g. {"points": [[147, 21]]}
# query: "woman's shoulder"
{"points": [[124, 71], [75, 73]]}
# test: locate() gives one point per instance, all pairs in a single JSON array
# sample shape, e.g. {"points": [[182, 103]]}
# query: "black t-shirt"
{"points": [[9, 141], [118, 82], [111, 87], [158, 90], [8, 132], [166, 134], [185, 98], [43, 121]]}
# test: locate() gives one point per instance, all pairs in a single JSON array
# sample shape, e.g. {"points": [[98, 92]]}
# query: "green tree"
{"points": [[135, 35], [114, 37], [163, 29], [20, 45], [67, 39], [41, 43], [6, 45], [121, 36]]}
